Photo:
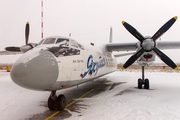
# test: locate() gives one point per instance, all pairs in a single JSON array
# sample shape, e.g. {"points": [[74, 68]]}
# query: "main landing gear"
{"points": [[56, 103], [143, 81]]}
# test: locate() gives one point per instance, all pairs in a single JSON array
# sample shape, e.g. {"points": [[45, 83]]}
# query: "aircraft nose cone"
{"points": [[37, 70]]}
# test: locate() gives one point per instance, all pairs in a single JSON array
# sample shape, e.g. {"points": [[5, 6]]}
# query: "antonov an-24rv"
{"points": [[60, 62]]}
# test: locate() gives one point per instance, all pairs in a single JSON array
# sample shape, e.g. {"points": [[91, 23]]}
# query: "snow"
{"points": [[16, 102], [123, 102]]}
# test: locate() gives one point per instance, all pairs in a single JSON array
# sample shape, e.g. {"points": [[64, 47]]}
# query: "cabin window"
{"points": [[49, 41], [62, 42]]}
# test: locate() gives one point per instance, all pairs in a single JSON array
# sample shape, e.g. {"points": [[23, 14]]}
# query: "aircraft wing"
{"points": [[124, 54], [121, 46], [133, 46], [168, 45], [9, 53]]}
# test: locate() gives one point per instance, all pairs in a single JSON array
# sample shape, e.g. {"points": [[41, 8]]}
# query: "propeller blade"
{"points": [[164, 28], [17, 49], [13, 49], [133, 58], [27, 32], [133, 31], [165, 58]]}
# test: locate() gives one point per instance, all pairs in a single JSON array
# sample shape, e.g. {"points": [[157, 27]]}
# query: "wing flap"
{"points": [[124, 54]]}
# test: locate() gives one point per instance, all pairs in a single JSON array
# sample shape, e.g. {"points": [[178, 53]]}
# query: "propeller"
{"points": [[27, 32], [149, 44], [17, 49]]}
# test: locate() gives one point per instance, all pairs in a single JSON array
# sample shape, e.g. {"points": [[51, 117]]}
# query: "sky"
{"points": [[86, 20]]}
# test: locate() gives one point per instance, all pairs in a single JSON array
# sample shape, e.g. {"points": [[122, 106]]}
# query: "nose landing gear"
{"points": [[143, 81], [55, 102]]}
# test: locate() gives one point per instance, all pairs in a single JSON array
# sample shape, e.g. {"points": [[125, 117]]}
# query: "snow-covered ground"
{"points": [[123, 102], [16, 102]]}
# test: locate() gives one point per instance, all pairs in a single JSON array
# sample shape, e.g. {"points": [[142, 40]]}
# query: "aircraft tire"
{"points": [[51, 104], [140, 83], [61, 102], [146, 85]]}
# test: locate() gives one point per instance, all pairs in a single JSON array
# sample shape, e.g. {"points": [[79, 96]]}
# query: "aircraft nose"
{"points": [[37, 70]]}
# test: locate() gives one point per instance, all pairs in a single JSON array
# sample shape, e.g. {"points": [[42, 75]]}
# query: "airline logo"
{"points": [[93, 67]]}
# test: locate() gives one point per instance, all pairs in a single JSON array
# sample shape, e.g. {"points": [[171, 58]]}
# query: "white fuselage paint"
{"points": [[77, 69]]}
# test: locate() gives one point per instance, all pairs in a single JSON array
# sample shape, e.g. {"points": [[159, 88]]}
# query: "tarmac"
{"points": [[73, 97]]}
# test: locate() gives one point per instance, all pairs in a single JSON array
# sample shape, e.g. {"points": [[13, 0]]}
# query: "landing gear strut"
{"points": [[143, 81], [55, 102]]}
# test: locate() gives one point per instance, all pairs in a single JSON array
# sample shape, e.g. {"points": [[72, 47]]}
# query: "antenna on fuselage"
{"points": [[110, 37]]}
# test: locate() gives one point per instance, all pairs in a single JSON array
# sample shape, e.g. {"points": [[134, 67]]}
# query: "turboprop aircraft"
{"points": [[60, 62]]}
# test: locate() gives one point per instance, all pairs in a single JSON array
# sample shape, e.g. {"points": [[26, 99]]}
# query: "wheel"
{"points": [[51, 104], [61, 102], [146, 85], [140, 83]]}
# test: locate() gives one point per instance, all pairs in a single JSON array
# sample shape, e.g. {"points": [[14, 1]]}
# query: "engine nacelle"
{"points": [[147, 58], [27, 47]]}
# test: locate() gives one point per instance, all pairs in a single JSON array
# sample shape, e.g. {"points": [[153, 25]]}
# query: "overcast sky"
{"points": [[87, 20]]}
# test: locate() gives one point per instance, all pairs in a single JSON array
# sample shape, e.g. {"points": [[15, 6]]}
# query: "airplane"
{"points": [[58, 62]]}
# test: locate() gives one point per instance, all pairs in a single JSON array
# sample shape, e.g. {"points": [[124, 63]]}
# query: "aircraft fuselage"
{"points": [[58, 66]]}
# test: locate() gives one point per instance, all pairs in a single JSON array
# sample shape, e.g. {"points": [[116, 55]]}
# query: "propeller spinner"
{"points": [[149, 44]]}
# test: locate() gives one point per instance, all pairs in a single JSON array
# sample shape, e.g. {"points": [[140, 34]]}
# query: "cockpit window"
{"points": [[41, 42], [74, 44], [62, 42], [80, 46], [49, 41]]}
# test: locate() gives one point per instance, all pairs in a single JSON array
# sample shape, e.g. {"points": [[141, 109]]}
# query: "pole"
{"points": [[42, 19]]}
